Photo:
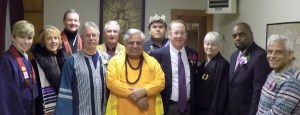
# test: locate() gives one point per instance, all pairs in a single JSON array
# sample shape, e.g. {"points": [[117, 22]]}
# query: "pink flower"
{"points": [[271, 84], [193, 58], [244, 59]]}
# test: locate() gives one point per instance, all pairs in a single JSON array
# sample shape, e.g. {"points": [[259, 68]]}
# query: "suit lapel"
{"points": [[188, 53], [167, 60], [249, 50], [232, 72]]}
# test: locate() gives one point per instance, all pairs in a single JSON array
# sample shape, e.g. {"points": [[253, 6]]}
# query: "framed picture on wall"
{"points": [[289, 29], [128, 13]]}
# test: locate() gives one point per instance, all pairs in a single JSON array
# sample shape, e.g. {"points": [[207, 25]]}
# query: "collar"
{"points": [[113, 49], [173, 49], [164, 42], [70, 35]]}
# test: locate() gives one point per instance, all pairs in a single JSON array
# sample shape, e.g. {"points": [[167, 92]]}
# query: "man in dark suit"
{"points": [[248, 72], [177, 98]]}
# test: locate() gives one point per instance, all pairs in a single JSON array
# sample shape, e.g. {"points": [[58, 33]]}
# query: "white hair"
{"points": [[112, 23], [133, 31], [213, 37], [288, 43]]}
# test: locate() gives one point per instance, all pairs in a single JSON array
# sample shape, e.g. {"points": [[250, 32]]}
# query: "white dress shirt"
{"points": [[174, 63]]}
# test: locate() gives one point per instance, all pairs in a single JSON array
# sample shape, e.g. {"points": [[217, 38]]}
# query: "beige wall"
{"points": [[257, 13], [89, 11]]}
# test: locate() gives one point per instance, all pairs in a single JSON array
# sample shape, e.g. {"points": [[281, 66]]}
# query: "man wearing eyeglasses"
{"points": [[82, 88], [179, 64]]}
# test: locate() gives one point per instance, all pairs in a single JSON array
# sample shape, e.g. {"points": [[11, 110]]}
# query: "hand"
{"points": [[143, 103], [136, 93]]}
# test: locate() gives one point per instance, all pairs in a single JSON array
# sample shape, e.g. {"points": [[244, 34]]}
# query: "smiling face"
{"points": [[177, 35], [22, 43], [211, 48], [134, 46], [90, 38], [72, 22], [52, 42], [22, 35], [157, 30], [278, 56], [112, 34], [50, 38]]}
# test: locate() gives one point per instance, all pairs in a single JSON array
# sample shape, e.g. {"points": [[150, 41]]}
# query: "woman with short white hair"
{"points": [[212, 78]]}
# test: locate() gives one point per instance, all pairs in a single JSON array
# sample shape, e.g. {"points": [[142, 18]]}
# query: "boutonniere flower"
{"points": [[271, 84], [151, 47], [193, 58], [104, 62], [244, 59]]}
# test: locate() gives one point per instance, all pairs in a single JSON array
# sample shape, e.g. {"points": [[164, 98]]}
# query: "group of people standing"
{"points": [[71, 74]]}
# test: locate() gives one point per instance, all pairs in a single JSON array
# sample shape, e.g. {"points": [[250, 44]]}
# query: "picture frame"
{"points": [[128, 13], [289, 29]]}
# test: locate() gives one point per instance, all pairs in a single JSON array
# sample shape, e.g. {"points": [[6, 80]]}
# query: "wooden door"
{"points": [[198, 24], [34, 13]]}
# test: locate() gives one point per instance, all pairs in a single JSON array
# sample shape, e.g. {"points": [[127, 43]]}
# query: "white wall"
{"points": [[89, 10], [164, 7], [257, 13], [54, 11]]}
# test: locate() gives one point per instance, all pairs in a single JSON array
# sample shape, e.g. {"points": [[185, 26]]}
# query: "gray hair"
{"points": [[112, 23], [213, 37], [288, 43], [89, 24], [133, 31]]}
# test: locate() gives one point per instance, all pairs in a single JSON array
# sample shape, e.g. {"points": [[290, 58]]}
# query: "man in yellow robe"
{"points": [[134, 79]]}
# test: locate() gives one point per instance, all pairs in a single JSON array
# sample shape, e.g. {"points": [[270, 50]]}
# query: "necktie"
{"points": [[237, 63], [182, 100]]}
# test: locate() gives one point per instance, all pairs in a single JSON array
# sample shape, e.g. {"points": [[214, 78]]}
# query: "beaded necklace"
{"points": [[139, 67]]}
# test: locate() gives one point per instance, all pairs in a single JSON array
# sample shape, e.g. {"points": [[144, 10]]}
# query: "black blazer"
{"points": [[246, 82], [162, 55], [211, 85]]}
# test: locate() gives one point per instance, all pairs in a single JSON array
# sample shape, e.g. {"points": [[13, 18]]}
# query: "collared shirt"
{"points": [[174, 63], [150, 45]]}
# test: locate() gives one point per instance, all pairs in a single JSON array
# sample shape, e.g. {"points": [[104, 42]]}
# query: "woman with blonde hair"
{"points": [[17, 78], [48, 61]]}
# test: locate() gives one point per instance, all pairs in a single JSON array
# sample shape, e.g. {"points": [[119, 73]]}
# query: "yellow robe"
{"points": [[119, 48], [152, 79]]}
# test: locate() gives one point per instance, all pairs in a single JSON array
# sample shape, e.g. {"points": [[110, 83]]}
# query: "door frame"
{"points": [[177, 13]]}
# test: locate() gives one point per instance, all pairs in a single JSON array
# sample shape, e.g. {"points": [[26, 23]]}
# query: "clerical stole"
{"points": [[83, 89]]}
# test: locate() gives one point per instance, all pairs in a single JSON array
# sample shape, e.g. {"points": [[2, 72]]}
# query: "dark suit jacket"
{"points": [[246, 82], [162, 55]]}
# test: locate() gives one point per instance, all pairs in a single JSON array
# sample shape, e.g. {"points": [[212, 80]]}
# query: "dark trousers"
{"points": [[173, 109]]}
